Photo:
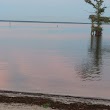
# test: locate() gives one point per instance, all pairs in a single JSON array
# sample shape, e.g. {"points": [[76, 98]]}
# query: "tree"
{"points": [[97, 18], [99, 9]]}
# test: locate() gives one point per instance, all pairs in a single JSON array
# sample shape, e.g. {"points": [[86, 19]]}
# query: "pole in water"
{"points": [[9, 24]]}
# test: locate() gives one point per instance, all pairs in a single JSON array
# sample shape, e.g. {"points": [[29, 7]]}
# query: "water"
{"points": [[54, 58]]}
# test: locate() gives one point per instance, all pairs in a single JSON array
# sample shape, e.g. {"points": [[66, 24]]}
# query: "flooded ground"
{"points": [[54, 58]]}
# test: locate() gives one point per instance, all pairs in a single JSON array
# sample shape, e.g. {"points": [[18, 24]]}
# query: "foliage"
{"points": [[46, 105], [97, 4], [98, 18]]}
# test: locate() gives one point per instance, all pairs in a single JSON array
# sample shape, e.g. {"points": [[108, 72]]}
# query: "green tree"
{"points": [[99, 10]]}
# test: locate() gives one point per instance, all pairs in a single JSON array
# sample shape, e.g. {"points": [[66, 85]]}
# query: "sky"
{"points": [[47, 10]]}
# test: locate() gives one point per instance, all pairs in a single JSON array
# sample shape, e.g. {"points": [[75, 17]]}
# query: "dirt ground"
{"points": [[36, 101]]}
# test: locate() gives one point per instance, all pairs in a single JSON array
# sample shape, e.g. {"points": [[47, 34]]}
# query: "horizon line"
{"points": [[59, 22]]}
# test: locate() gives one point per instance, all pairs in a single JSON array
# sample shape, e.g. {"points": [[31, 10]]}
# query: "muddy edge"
{"points": [[54, 101]]}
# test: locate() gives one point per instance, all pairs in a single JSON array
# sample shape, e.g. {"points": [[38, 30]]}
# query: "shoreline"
{"points": [[54, 101], [53, 22]]}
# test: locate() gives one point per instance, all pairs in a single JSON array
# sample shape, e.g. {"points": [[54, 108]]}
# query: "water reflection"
{"points": [[39, 58], [92, 66], [95, 49]]}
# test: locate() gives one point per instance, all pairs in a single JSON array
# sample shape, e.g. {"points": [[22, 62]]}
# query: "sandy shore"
{"points": [[13, 106], [11, 100]]}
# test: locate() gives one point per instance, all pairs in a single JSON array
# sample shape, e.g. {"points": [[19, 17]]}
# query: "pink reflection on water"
{"points": [[34, 69], [48, 72], [3, 74], [42, 65]]}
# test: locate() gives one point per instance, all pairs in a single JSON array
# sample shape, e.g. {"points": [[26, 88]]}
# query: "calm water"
{"points": [[54, 58]]}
